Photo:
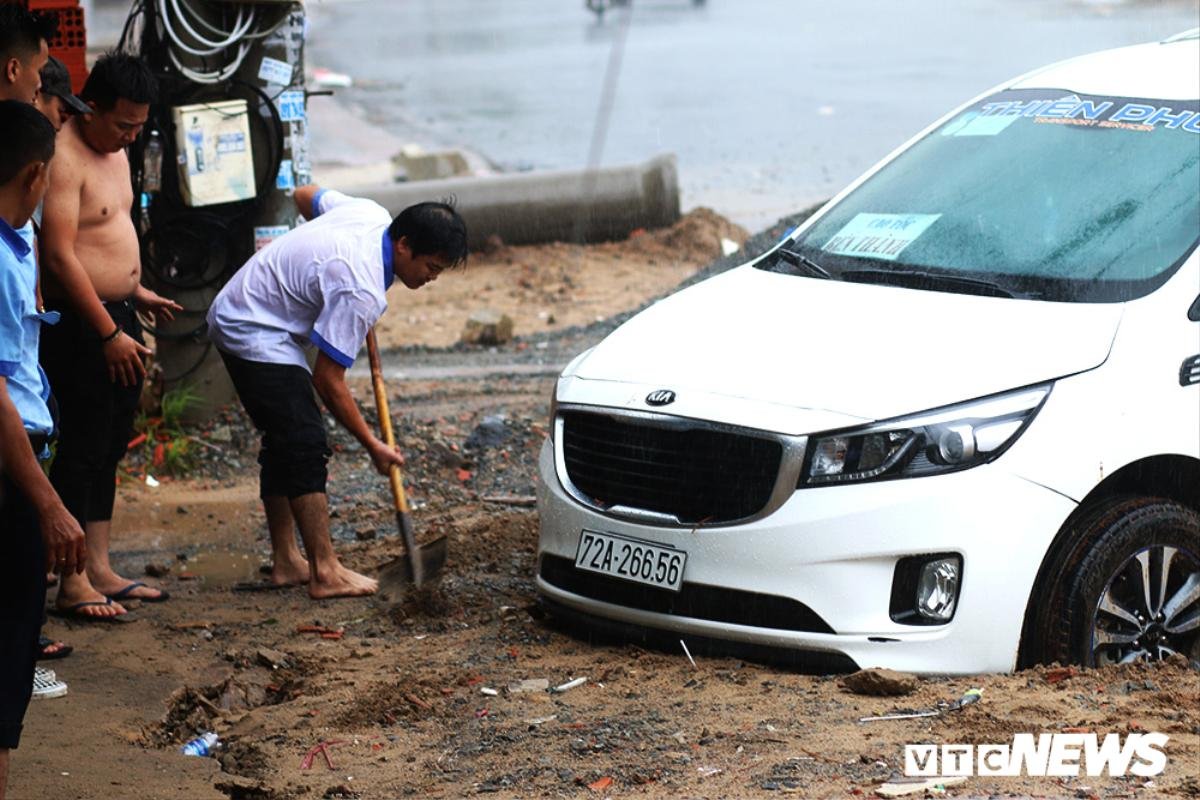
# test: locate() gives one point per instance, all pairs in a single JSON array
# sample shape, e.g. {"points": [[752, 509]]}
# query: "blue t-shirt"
{"points": [[20, 328]]}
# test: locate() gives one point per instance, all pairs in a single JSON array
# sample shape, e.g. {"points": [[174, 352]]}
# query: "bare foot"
{"points": [[341, 582], [290, 573]]}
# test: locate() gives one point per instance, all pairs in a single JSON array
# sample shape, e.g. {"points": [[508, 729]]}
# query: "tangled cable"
{"points": [[175, 14]]}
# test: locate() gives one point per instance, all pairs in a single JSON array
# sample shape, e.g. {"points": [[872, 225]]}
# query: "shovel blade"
{"points": [[397, 575]]}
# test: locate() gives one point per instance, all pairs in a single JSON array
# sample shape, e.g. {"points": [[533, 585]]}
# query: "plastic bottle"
{"points": [[201, 746], [152, 168]]}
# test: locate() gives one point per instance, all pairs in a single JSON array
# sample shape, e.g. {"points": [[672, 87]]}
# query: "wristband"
{"points": [[111, 336]]}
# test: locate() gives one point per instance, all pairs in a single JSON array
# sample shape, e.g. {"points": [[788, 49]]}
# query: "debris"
{"points": [[971, 696], [323, 749], [729, 247], [418, 702], [533, 723], [151, 481], [688, 653], [157, 570], [201, 624], [899, 787], [1059, 674], [325, 633], [221, 433], [708, 772], [489, 691], [601, 784], [877, 681], [529, 685], [569, 685], [510, 500]]}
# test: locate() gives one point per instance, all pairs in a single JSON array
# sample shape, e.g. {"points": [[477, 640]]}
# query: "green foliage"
{"points": [[167, 446]]}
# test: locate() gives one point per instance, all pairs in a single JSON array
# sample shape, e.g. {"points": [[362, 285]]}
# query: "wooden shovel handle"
{"points": [[385, 420]]}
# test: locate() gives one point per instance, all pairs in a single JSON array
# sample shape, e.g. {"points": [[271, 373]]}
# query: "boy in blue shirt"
{"points": [[36, 530]]}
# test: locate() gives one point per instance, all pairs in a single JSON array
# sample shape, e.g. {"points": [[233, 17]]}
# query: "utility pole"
{"points": [[194, 235]]}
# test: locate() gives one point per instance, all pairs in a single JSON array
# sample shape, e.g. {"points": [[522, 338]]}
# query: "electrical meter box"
{"points": [[213, 143]]}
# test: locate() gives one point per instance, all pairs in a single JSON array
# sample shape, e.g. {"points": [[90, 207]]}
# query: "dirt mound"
{"points": [[555, 286]]}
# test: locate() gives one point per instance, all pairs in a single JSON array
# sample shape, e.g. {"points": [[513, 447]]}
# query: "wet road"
{"points": [[769, 105]]}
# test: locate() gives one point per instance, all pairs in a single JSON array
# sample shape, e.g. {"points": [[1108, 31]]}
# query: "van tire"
{"points": [[1101, 541]]}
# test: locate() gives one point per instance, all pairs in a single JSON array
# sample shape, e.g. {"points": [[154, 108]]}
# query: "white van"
{"points": [[951, 424]]}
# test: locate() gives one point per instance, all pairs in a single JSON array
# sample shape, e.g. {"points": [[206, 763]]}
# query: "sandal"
{"points": [[51, 650]]}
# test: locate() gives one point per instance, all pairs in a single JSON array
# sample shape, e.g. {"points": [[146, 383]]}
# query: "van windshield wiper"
{"points": [[919, 279], [804, 262]]}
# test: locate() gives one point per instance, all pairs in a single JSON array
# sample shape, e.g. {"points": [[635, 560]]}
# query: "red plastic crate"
{"points": [[38, 5], [76, 64], [72, 32]]}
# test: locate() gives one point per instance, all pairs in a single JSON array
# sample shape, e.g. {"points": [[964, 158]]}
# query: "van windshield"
{"points": [[1029, 193]]}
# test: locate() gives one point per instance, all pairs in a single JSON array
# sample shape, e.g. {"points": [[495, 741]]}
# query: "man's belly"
{"points": [[112, 261]]}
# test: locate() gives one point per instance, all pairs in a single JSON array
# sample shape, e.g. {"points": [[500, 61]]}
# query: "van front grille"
{"points": [[688, 470]]}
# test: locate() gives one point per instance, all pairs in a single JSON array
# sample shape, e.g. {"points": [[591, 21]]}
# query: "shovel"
{"points": [[420, 562]]}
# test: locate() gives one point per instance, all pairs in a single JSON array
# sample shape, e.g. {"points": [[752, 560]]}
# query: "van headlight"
{"points": [[949, 439]]}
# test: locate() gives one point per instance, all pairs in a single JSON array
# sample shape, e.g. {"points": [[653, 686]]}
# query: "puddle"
{"points": [[222, 567]]}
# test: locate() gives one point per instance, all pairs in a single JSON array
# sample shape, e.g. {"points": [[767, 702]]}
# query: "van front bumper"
{"points": [[816, 575]]}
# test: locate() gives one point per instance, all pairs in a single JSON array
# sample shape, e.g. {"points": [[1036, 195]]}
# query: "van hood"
{"points": [[809, 354]]}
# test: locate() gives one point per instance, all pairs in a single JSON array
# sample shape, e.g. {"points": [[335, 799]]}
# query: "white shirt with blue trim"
{"points": [[21, 327], [322, 284]]}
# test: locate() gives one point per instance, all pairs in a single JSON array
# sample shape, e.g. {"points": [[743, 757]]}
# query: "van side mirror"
{"points": [[1194, 311]]}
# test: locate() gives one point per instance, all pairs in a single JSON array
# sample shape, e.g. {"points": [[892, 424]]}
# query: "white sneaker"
{"points": [[46, 684]]}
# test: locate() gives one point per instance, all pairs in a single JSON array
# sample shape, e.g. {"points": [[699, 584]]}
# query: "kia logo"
{"points": [[660, 397]]}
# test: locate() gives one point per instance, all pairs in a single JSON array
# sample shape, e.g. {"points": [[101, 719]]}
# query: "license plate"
{"points": [[631, 559]]}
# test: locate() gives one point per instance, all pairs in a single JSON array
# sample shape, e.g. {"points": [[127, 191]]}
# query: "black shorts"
{"points": [[95, 412], [22, 597], [279, 399]]}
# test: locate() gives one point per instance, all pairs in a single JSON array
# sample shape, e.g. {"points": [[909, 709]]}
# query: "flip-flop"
{"points": [[45, 643], [124, 594], [73, 612]]}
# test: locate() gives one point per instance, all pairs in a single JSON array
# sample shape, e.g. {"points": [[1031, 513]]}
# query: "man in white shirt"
{"points": [[322, 284]]}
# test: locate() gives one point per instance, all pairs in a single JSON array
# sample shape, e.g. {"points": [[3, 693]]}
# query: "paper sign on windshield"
{"points": [[882, 236]]}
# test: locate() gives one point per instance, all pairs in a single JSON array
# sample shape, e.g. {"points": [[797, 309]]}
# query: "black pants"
{"points": [[279, 399], [95, 412], [22, 598]]}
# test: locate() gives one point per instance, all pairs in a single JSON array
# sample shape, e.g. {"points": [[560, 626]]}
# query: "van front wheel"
{"points": [[1129, 589]]}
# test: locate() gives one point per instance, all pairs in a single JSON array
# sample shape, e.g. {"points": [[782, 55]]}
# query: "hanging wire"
{"points": [[608, 95]]}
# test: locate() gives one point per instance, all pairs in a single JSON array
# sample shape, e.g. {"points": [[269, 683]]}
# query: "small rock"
{"points": [[364, 534], [492, 244], [877, 681], [221, 433], [487, 327], [492, 431], [271, 658], [248, 788], [157, 570]]}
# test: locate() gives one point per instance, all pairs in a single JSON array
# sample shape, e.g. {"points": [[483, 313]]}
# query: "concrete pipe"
{"points": [[531, 207]]}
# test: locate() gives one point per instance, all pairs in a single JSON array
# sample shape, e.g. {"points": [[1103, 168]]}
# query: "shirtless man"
{"points": [[94, 355]]}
